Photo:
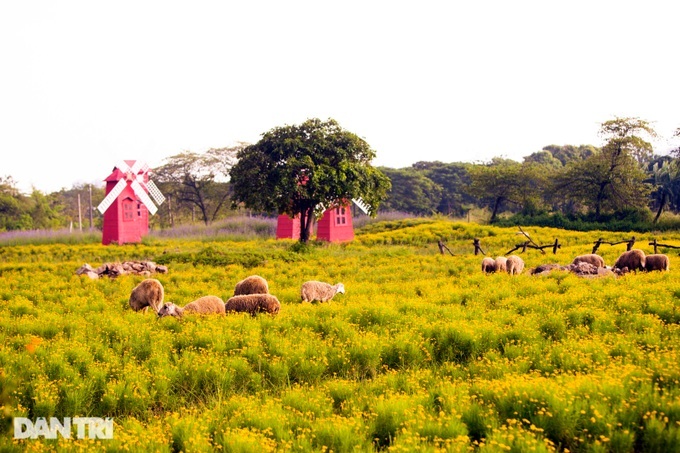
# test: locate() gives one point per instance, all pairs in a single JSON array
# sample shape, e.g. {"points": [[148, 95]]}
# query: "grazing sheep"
{"points": [[657, 262], [488, 265], [204, 305], [253, 304], [149, 293], [634, 260], [501, 264], [321, 291], [251, 285], [515, 265], [591, 258]]}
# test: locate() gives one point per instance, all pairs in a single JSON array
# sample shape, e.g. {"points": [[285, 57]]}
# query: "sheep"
{"points": [[149, 293], [488, 265], [501, 264], [634, 260], [203, 305], [321, 291], [253, 304], [251, 285], [657, 262], [515, 265], [591, 258]]}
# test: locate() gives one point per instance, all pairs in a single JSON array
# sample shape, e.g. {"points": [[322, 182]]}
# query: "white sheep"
{"points": [[657, 262], [203, 305], [501, 264], [321, 291], [515, 265], [591, 258], [149, 293], [253, 304], [488, 265], [252, 285]]}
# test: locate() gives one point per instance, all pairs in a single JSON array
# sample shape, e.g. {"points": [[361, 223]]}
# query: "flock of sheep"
{"points": [[591, 264], [251, 295]]}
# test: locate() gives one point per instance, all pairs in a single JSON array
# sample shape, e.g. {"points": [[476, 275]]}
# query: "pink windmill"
{"points": [[127, 204]]}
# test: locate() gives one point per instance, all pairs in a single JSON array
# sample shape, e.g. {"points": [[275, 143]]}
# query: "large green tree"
{"points": [[301, 170]]}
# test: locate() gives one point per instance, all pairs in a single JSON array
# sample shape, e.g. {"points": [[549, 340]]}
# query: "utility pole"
{"points": [[90, 187], [80, 216]]}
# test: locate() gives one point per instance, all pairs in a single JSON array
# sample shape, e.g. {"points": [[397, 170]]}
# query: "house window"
{"points": [[128, 211], [340, 216]]}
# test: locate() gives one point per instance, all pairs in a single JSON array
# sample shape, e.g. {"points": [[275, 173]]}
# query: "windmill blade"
{"points": [[111, 196], [361, 204], [144, 198], [155, 192], [123, 166], [137, 166]]}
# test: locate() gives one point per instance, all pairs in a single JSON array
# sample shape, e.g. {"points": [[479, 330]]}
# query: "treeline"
{"points": [[622, 185]]}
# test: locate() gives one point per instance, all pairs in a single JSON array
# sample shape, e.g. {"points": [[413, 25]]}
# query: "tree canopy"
{"points": [[301, 170]]}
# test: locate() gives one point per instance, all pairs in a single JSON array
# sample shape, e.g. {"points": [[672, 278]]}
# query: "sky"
{"points": [[85, 84]]}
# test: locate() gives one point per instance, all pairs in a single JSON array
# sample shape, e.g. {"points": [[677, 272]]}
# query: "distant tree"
{"points": [[301, 170], [570, 153], [14, 206], [664, 177], [453, 178], [544, 158], [497, 182], [199, 180], [411, 192], [45, 211], [611, 179], [625, 135]]}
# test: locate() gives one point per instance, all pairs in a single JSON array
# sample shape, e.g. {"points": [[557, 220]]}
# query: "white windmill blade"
{"points": [[141, 193], [137, 166], [155, 192], [111, 196], [123, 166], [361, 204]]}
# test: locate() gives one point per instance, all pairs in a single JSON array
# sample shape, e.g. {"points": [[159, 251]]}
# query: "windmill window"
{"points": [[128, 211], [340, 216], [139, 209]]}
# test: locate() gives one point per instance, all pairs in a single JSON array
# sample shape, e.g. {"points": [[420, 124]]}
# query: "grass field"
{"points": [[423, 352]]}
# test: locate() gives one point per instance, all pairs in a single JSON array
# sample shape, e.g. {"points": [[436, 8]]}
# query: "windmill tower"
{"points": [[334, 226], [127, 205]]}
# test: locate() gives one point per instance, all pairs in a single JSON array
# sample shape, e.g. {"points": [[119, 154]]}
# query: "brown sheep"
{"points": [[591, 258], [657, 262], [501, 264], [149, 293], [253, 304], [634, 260], [488, 265], [514, 265], [252, 285], [203, 305]]}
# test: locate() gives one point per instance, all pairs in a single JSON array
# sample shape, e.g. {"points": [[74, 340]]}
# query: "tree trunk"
{"points": [[306, 218], [496, 207], [662, 204]]}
